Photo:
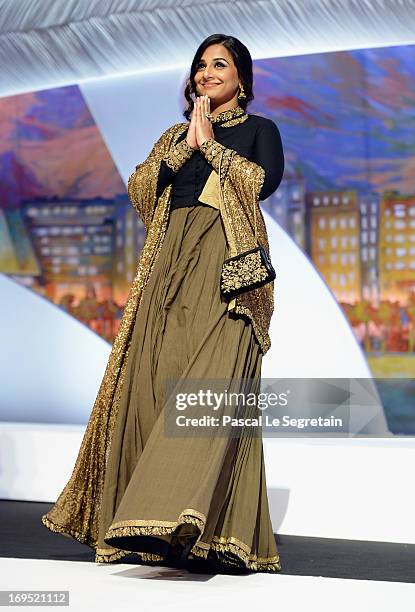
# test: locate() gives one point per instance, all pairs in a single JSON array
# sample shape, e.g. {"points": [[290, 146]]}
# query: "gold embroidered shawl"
{"points": [[77, 509]]}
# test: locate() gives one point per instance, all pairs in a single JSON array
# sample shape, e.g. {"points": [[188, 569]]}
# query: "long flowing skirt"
{"points": [[200, 498]]}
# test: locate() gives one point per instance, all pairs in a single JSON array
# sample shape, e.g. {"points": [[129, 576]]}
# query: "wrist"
{"points": [[212, 150], [193, 147], [207, 141], [178, 155]]}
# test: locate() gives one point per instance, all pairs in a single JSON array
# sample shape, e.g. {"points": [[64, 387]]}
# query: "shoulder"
{"points": [[176, 128], [170, 135], [258, 119], [264, 124], [267, 135]]}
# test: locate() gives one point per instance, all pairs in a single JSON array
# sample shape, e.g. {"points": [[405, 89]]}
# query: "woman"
{"points": [[186, 499]]}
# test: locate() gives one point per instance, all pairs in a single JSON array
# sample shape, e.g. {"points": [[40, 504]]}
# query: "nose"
{"points": [[206, 73]]}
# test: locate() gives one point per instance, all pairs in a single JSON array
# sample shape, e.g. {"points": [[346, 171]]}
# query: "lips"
{"points": [[211, 84]]}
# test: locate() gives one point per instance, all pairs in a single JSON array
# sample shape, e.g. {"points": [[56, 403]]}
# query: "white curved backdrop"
{"points": [[50, 363]]}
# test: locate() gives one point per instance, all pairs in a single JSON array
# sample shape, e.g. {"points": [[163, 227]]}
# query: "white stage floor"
{"points": [[149, 589]]}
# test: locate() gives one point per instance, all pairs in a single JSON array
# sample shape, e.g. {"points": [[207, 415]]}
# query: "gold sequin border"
{"points": [[226, 115], [233, 122], [178, 155], [228, 550]]}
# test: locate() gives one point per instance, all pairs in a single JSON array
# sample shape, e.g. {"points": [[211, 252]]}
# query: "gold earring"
{"points": [[241, 93]]}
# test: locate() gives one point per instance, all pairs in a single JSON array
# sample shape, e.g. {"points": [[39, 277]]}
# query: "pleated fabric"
{"points": [[200, 498]]}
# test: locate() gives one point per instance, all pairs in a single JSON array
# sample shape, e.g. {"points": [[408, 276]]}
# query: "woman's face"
{"points": [[216, 75]]}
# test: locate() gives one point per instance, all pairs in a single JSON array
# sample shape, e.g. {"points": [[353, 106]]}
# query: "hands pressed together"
{"points": [[200, 128]]}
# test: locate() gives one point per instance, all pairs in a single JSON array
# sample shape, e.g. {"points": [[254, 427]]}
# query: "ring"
{"points": [[208, 116]]}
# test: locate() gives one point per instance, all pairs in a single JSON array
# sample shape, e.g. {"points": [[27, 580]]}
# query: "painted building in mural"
{"points": [[73, 241], [397, 246], [129, 237], [57, 247], [369, 246], [333, 240], [287, 204]]}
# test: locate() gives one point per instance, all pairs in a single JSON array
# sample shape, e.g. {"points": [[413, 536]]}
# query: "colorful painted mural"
{"points": [[68, 231], [348, 195]]}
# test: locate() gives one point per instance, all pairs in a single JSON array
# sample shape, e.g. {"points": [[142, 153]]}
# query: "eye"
{"points": [[218, 63]]}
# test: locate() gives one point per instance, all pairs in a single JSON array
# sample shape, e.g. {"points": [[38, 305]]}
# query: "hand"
{"points": [[204, 130], [191, 132]]}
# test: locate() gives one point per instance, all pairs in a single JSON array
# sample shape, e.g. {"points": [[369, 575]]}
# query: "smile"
{"points": [[210, 84]]}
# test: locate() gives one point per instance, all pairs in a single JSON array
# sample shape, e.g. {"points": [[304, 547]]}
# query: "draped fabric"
{"points": [[241, 183], [43, 44], [77, 509]]}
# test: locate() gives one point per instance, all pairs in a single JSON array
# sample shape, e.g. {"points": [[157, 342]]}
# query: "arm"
{"points": [[143, 183], [268, 157], [171, 163]]}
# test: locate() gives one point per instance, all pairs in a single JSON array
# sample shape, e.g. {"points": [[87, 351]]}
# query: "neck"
{"points": [[224, 107]]}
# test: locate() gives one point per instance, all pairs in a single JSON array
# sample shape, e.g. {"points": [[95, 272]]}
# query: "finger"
{"points": [[199, 108], [208, 121], [197, 112], [204, 118]]}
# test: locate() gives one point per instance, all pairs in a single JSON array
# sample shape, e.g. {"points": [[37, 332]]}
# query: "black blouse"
{"points": [[257, 138]]}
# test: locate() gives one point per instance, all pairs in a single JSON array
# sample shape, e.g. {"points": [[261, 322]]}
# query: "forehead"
{"points": [[217, 51]]}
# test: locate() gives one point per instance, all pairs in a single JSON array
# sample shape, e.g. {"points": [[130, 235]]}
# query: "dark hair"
{"points": [[243, 63]]}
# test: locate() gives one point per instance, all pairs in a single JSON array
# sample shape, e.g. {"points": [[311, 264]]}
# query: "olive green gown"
{"points": [[198, 499]]}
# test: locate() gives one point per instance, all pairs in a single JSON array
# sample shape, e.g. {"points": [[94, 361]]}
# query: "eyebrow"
{"points": [[217, 58]]}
